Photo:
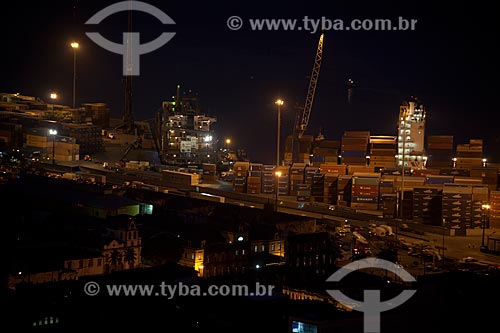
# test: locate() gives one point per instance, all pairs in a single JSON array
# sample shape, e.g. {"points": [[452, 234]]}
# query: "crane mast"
{"points": [[312, 88]]}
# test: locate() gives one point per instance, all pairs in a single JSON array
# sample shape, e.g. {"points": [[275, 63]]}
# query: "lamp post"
{"points": [[486, 208], [228, 142], [278, 175], [279, 103], [53, 97], [53, 133], [75, 46]]}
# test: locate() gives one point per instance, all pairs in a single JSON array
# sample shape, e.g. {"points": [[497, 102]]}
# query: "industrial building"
{"points": [[185, 134], [411, 134]]}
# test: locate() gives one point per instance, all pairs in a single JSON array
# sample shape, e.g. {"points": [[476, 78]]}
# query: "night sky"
{"points": [[448, 62]]}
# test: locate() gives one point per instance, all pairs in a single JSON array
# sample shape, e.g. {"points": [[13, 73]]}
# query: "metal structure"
{"points": [[302, 122]]}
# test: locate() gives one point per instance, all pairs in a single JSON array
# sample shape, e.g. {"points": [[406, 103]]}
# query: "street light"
{"points": [[278, 175], [486, 208], [279, 103], [53, 97], [53, 132], [75, 46]]}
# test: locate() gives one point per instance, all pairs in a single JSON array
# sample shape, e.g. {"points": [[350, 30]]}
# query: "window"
{"points": [[236, 252], [70, 264], [192, 255], [80, 264], [272, 247], [99, 262], [243, 252], [91, 262], [262, 248], [199, 256], [279, 246], [255, 248]]}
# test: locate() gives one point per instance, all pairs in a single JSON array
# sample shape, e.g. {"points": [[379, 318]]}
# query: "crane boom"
{"points": [[312, 88]]}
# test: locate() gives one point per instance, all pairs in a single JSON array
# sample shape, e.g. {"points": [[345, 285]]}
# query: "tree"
{"points": [[130, 257], [114, 259]]}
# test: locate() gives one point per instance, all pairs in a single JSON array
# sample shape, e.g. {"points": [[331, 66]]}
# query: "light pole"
{"points": [[75, 46], [278, 175], [53, 97], [279, 103], [485, 208], [53, 133]]}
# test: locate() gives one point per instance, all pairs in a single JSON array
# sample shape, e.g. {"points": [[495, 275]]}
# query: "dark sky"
{"points": [[449, 62]]}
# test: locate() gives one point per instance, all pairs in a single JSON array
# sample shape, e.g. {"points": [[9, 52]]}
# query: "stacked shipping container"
{"points": [[383, 150], [439, 151], [470, 155], [354, 148]]}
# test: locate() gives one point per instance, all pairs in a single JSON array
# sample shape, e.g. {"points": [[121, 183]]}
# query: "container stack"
{"points": [[303, 192], [326, 151], [454, 172], [209, 171], [365, 191], [480, 196], [283, 181], [389, 205], [457, 207], [296, 177], [344, 184], [254, 180], [409, 182], [315, 180], [340, 169], [240, 170], [438, 180], [439, 151], [489, 176], [470, 155], [407, 204], [309, 173], [352, 169], [494, 212], [427, 204], [330, 189], [383, 151], [354, 148], [305, 148], [318, 187], [268, 179], [386, 186]]}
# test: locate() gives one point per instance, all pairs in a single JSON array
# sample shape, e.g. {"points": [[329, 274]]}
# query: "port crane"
{"points": [[304, 113]]}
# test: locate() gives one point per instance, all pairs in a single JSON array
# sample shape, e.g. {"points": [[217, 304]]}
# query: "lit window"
{"points": [[272, 247], [192, 255], [279, 246], [255, 248]]}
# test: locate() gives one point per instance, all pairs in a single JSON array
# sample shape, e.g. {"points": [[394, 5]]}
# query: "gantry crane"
{"points": [[302, 118]]}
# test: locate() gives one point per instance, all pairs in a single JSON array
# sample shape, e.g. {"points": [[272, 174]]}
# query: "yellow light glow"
{"points": [[279, 102], [278, 174], [486, 206], [53, 96], [228, 141], [75, 45]]}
